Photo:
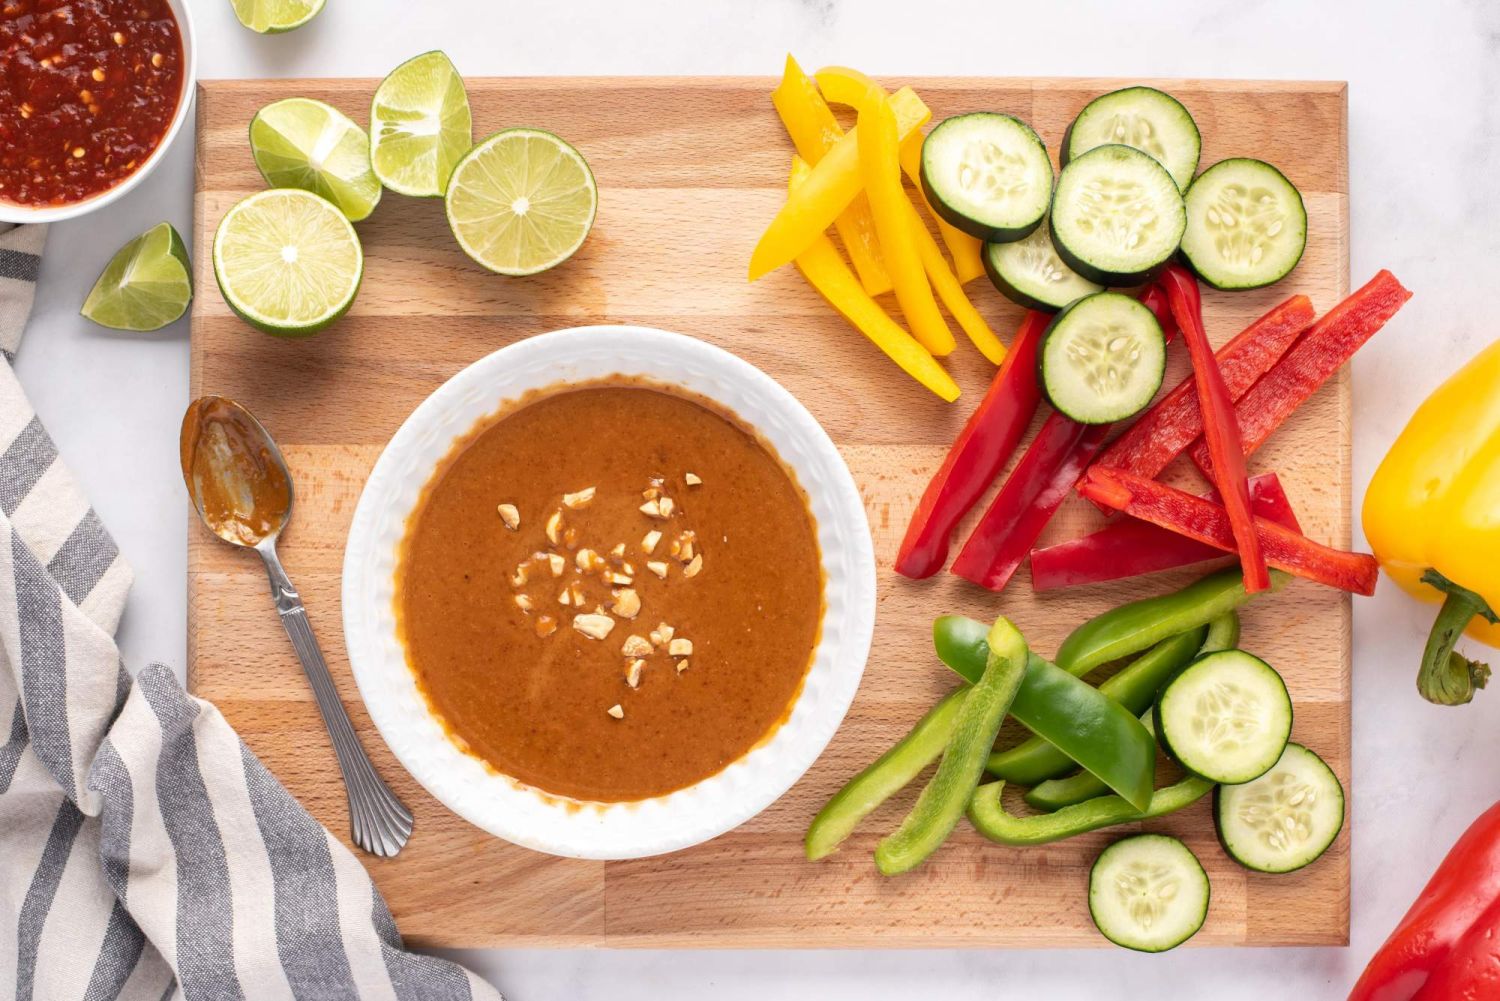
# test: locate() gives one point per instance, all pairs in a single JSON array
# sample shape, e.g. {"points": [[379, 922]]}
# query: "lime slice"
{"points": [[146, 285], [419, 126], [522, 201], [287, 261], [272, 17], [302, 143]]}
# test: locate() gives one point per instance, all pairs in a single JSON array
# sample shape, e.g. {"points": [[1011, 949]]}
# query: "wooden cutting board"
{"points": [[689, 171]]}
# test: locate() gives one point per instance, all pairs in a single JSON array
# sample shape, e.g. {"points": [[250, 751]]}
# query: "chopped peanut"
{"points": [[627, 603], [648, 544], [510, 516], [546, 625], [518, 579], [633, 672], [586, 560], [523, 602], [694, 568], [618, 551], [580, 500], [594, 625], [616, 711], [680, 647], [652, 509], [557, 564], [570, 537], [619, 578], [657, 567], [682, 665], [692, 479], [636, 646], [667, 632], [554, 527], [666, 507]]}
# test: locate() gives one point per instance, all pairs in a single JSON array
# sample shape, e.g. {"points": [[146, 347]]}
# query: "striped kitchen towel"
{"points": [[145, 853]]}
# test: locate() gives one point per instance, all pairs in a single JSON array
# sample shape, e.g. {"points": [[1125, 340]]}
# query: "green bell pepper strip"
{"points": [[1132, 628], [1054, 794], [1036, 760], [991, 819], [883, 779], [947, 793], [1073, 718]]}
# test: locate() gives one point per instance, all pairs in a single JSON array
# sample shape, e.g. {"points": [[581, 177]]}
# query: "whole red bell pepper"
{"points": [[1201, 519], [1448, 945], [1174, 422], [1219, 427], [1320, 353], [982, 449], [1129, 548]]}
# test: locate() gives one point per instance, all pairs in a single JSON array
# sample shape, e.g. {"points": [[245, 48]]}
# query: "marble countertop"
{"points": [[1424, 140]]}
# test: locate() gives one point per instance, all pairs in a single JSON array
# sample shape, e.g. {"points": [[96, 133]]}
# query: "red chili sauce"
{"points": [[88, 89]]}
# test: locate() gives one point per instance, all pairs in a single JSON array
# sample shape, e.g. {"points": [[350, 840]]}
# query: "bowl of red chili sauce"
{"points": [[92, 92]]}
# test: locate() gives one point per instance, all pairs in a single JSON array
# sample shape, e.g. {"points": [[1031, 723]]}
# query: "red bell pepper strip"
{"points": [[1032, 493], [982, 449], [1041, 481], [1219, 427], [1129, 548], [1320, 353], [1431, 954], [1201, 519], [1162, 433]]}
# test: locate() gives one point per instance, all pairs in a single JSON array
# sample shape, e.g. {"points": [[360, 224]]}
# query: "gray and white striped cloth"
{"points": [[145, 853]]}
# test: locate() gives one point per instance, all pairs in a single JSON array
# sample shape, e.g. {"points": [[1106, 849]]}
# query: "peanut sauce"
{"points": [[235, 477], [555, 646]]}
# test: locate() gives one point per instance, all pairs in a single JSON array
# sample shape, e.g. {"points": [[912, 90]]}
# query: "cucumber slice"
{"points": [[1103, 358], [1226, 716], [1117, 215], [1030, 274], [987, 174], [1153, 122], [1246, 225], [1285, 819], [1148, 893]]}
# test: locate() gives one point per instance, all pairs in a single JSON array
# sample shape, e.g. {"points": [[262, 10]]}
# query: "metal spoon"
{"points": [[242, 490]]}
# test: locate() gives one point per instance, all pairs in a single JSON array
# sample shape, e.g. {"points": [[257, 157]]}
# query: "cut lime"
{"points": [[302, 143], [146, 285], [522, 201], [420, 126], [287, 261], [272, 17]]}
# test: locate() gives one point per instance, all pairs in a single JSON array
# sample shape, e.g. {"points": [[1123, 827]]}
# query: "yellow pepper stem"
{"points": [[1447, 677]]}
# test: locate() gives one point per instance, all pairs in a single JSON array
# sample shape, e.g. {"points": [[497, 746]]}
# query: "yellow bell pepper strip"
{"points": [[814, 130], [846, 86], [1430, 516], [878, 141], [951, 292], [830, 188], [963, 248], [825, 271]]}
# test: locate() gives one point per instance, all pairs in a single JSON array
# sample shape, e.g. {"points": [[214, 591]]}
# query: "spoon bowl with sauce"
{"points": [[242, 491]]}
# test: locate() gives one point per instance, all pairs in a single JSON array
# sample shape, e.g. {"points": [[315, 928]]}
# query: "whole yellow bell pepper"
{"points": [[1432, 516]]}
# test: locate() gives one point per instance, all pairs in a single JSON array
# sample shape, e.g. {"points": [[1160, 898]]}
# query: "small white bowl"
{"points": [[12, 212], [501, 805]]}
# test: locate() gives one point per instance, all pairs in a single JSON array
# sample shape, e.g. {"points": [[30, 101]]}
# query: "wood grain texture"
{"points": [[689, 170]]}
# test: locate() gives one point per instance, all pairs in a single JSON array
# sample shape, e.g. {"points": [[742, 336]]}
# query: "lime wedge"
{"points": [[302, 143], [287, 261], [272, 17], [419, 126], [146, 285], [522, 201]]}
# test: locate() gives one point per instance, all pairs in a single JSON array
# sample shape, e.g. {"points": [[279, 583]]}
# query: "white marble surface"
{"points": [[1424, 81]]}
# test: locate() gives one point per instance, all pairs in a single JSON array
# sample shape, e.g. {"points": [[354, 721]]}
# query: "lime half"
{"points": [[420, 126], [522, 201], [302, 143], [272, 17], [146, 285], [287, 261]]}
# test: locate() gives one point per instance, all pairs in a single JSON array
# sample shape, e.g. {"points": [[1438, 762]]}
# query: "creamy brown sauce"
{"points": [[735, 573], [236, 480]]}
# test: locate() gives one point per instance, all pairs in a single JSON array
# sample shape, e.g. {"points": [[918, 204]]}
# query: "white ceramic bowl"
{"points": [[11, 212], [499, 804]]}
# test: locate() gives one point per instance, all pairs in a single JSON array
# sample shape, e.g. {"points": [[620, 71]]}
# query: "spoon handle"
{"points": [[380, 823]]}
